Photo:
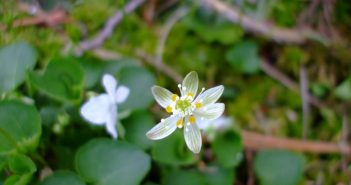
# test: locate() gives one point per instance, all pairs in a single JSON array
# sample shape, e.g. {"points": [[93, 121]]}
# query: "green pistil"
{"points": [[183, 105]]}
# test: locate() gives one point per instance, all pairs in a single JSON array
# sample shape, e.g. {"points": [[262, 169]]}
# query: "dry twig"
{"points": [[264, 28], [257, 141], [111, 23], [181, 12]]}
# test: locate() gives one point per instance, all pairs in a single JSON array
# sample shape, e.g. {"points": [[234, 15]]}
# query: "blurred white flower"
{"points": [[187, 110], [221, 123], [212, 127], [102, 109]]}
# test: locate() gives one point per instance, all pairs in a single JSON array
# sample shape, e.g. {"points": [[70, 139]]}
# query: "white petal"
{"points": [[191, 83], [210, 95], [162, 96], [110, 85], [122, 94], [211, 111], [111, 122], [192, 137], [96, 109], [163, 129]]}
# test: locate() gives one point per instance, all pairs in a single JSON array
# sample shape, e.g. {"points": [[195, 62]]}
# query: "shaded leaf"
{"points": [[279, 167], [62, 80], [18, 132], [111, 162], [243, 57], [228, 148], [62, 178], [15, 60]]}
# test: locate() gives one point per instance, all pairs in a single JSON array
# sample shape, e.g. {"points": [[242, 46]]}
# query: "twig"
{"points": [[257, 141], [344, 138], [305, 101], [175, 17], [161, 67], [250, 171], [52, 18], [287, 82], [264, 28], [108, 28]]}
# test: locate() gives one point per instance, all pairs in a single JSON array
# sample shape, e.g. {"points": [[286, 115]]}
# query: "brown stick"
{"points": [[264, 28], [257, 141]]}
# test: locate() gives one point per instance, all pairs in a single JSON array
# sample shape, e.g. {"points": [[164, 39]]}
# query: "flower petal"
{"points": [[191, 83], [111, 122], [96, 109], [162, 96], [192, 137], [163, 129], [122, 94], [210, 95], [110, 85], [211, 111]]}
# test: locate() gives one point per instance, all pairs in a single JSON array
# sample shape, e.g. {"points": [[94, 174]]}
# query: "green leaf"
{"points": [[190, 177], [3, 161], [136, 126], [18, 179], [211, 29], [93, 71], [219, 176], [228, 148], [15, 60], [279, 167], [62, 80], [172, 150], [139, 81], [343, 91], [21, 164], [111, 162], [22, 132], [243, 57], [62, 178]]}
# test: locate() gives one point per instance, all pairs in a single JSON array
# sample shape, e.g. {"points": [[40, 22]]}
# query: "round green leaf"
{"points": [[15, 60], [21, 164], [139, 81], [138, 123], [62, 79], [172, 150], [20, 127], [244, 58], [62, 178], [279, 167], [111, 162], [228, 148]]}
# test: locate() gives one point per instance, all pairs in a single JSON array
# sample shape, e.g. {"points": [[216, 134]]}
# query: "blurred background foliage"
{"points": [[299, 89]]}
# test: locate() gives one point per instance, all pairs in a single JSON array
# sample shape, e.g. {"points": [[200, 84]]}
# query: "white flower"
{"points": [[221, 123], [102, 109], [187, 109]]}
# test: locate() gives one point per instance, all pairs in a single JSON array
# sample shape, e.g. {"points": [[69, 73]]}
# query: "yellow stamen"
{"points": [[190, 94], [192, 119], [174, 97], [198, 105], [169, 109], [180, 123]]}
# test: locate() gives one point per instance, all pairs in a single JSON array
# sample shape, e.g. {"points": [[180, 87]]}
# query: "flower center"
{"points": [[183, 105]]}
